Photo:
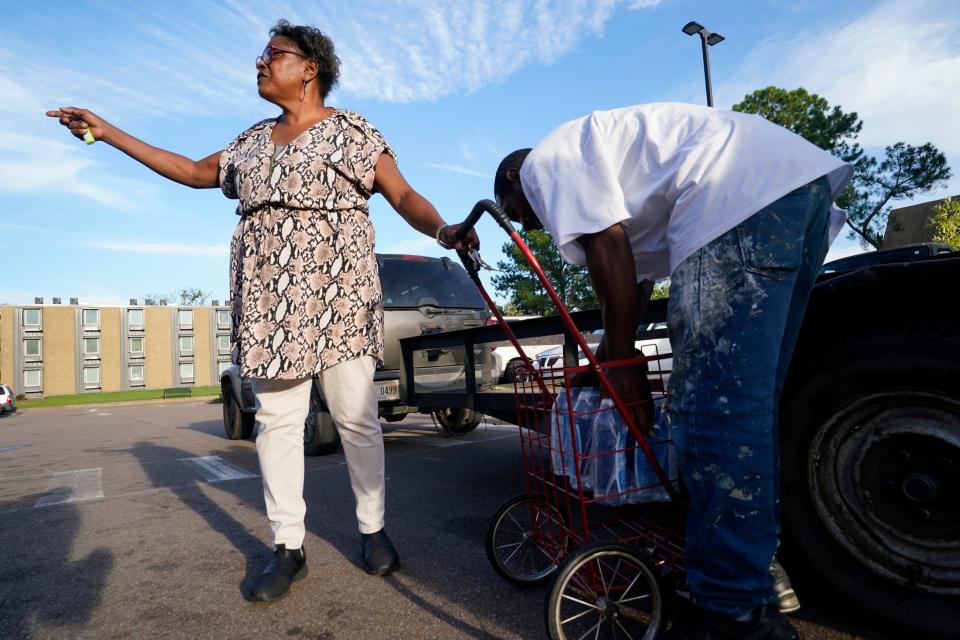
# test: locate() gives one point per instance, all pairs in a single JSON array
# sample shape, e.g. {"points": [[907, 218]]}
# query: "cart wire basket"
{"points": [[598, 515]]}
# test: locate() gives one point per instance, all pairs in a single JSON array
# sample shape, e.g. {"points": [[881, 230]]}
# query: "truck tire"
{"points": [[457, 421], [320, 435], [870, 455], [509, 372], [237, 424]]}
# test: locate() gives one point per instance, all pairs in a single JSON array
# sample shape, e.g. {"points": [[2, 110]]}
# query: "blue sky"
{"points": [[453, 85]]}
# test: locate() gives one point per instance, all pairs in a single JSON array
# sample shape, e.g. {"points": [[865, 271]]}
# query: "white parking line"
{"points": [[73, 486], [215, 469], [12, 448]]}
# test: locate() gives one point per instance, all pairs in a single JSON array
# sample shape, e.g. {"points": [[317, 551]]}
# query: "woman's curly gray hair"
{"points": [[316, 46]]}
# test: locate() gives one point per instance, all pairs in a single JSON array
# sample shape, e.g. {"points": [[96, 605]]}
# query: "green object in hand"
{"points": [[88, 137]]}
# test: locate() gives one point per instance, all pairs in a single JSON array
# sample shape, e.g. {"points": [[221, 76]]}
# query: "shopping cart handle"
{"points": [[493, 209]]}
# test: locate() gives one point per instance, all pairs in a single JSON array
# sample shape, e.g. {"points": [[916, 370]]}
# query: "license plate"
{"points": [[388, 390]]}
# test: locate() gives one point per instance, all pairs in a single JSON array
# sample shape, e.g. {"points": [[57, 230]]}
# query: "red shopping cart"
{"points": [[594, 515]]}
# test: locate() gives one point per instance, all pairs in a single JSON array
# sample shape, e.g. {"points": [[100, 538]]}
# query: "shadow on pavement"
{"points": [[29, 599], [192, 495]]}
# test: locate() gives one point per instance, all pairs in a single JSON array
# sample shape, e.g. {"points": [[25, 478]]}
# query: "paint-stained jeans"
{"points": [[735, 311]]}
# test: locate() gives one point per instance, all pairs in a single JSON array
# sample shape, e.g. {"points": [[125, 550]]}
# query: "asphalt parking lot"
{"points": [[143, 521]]}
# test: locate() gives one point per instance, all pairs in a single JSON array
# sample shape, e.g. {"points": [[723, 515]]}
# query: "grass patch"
{"points": [[110, 396]]}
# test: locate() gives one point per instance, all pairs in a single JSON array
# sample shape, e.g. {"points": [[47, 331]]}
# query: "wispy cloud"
{"points": [[455, 168], [169, 63], [892, 65], [417, 246], [161, 248], [124, 245]]}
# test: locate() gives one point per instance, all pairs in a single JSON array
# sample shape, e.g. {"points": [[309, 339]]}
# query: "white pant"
{"points": [[282, 407]]}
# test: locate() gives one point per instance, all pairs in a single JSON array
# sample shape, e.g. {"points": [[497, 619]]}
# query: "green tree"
{"points": [[525, 294], [191, 296], [661, 289], [810, 116], [903, 172], [946, 222]]}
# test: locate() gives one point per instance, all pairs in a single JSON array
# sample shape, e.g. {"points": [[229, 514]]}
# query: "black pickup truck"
{"points": [[870, 442], [869, 437]]}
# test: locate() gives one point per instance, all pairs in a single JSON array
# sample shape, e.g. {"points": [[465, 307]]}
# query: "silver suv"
{"points": [[8, 403], [420, 295]]}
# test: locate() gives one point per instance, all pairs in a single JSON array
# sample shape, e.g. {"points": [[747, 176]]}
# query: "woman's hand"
{"points": [[200, 174], [79, 121], [449, 238]]}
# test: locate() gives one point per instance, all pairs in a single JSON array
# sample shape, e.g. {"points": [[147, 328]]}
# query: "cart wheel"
{"points": [[605, 590], [527, 540]]}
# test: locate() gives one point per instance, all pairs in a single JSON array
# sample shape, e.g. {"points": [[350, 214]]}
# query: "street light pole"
{"points": [[707, 39]]}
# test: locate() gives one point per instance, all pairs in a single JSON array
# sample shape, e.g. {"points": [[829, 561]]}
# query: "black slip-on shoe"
{"points": [[699, 624], [286, 567], [378, 554]]}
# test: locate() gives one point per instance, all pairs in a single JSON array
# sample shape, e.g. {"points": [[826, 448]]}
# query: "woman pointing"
{"points": [[305, 289]]}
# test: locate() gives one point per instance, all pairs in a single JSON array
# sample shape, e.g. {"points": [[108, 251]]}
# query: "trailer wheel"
{"points": [[870, 437], [457, 421], [509, 372], [320, 435], [237, 424]]}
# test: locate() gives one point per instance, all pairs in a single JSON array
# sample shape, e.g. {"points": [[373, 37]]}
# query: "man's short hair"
{"points": [[513, 160]]}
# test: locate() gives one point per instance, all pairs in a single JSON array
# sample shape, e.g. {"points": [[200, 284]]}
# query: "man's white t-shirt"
{"points": [[676, 175]]}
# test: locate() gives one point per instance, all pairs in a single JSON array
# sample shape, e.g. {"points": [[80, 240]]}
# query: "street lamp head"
{"points": [[714, 39], [692, 28]]}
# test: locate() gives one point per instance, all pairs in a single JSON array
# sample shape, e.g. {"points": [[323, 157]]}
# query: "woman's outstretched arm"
{"points": [[414, 208], [199, 174]]}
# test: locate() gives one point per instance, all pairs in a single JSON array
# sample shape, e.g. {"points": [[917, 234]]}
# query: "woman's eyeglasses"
{"points": [[271, 52]]}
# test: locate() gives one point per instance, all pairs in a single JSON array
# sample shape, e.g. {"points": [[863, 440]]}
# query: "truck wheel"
{"points": [[237, 424], [870, 460], [509, 372], [457, 421], [320, 435]]}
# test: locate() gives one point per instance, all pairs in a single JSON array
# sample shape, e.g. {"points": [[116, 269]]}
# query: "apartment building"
{"points": [[56, 349]]}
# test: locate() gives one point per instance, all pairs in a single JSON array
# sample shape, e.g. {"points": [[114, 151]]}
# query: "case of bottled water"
{"points": [[560, 430], [609, 469], [584, 412], [662, 448]]}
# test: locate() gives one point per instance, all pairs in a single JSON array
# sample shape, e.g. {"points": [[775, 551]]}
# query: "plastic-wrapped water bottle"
{"points": [[584, 412], [644, 476], [609, 469], [560, 432]]}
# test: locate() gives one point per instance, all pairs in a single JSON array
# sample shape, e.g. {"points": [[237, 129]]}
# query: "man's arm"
{"points": [[623, 303]]}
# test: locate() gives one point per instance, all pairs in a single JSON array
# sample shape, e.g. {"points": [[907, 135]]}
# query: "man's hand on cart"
{"points": [[631, 385]]}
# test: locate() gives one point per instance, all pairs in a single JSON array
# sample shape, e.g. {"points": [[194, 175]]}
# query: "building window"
{"points": [[136, 346], [91, 377], [223, 343], [32, 348], [223, 318], [186, 345], [185, 318], [186, 372], [33, 380], [91, 318], [135, 318], [32, 318], [136, 374], [91, 347], [222, 366]]}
